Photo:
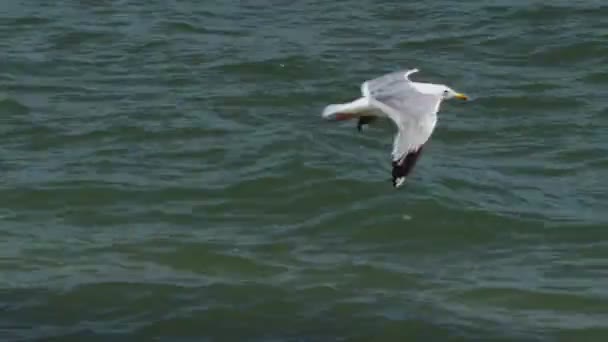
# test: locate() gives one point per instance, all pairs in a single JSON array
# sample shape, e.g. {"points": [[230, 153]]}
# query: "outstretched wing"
{"points": [[414, 113], [385, 82]]}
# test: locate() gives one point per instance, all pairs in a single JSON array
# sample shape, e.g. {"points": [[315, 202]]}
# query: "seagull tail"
{"points": [[345, 111]]}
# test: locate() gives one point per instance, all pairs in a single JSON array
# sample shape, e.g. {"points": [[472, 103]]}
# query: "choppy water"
{"points": [[166, 173]]}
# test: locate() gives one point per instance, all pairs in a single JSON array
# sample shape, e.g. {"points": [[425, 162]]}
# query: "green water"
{"points": [[166, 174]]}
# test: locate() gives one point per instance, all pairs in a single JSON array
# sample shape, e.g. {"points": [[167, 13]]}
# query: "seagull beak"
{"points": [[461, 96]]}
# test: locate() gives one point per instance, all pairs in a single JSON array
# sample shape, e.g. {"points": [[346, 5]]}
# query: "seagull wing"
{"points": [[414, 113]]}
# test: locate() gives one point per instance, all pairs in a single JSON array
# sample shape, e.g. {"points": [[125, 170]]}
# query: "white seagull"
{"points": [[412, 106]]}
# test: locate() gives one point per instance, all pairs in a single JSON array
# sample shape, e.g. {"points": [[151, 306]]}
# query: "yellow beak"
{"points": [[461, 96]]}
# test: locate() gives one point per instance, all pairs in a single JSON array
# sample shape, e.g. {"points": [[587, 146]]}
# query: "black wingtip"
{"points": [[398, 182], [404, 166]]}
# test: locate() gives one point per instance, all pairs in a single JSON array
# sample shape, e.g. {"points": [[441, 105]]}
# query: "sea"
{"points": [[166, 175]]}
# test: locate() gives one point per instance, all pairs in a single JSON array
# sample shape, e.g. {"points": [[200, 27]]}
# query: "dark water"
{"points": [[166, 174]]}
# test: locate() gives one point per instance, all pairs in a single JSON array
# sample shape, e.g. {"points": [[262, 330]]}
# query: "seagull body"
{"points": [[412, 106]]}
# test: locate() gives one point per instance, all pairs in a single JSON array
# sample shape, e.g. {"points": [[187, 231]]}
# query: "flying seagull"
{"points": [[412, 106]]}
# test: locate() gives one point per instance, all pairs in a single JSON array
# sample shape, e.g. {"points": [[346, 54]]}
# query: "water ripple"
{"points": [[167, 172]]}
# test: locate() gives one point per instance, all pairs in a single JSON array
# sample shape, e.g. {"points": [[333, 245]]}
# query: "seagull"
{"points": [[412, 106]]}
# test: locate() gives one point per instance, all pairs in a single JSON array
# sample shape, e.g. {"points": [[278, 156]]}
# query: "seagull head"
{"points": [[440, 90], [449, 93]]}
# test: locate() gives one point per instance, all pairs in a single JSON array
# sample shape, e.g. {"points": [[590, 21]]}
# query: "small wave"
{"points": [[284, 67], [12, 106], [183, 27], [556, 12], [585, 51], [527, 102], [76, 39], [596, 77], [29, 21]]}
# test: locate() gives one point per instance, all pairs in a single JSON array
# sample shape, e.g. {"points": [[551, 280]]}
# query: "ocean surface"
{"points": [[166, 174]]}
